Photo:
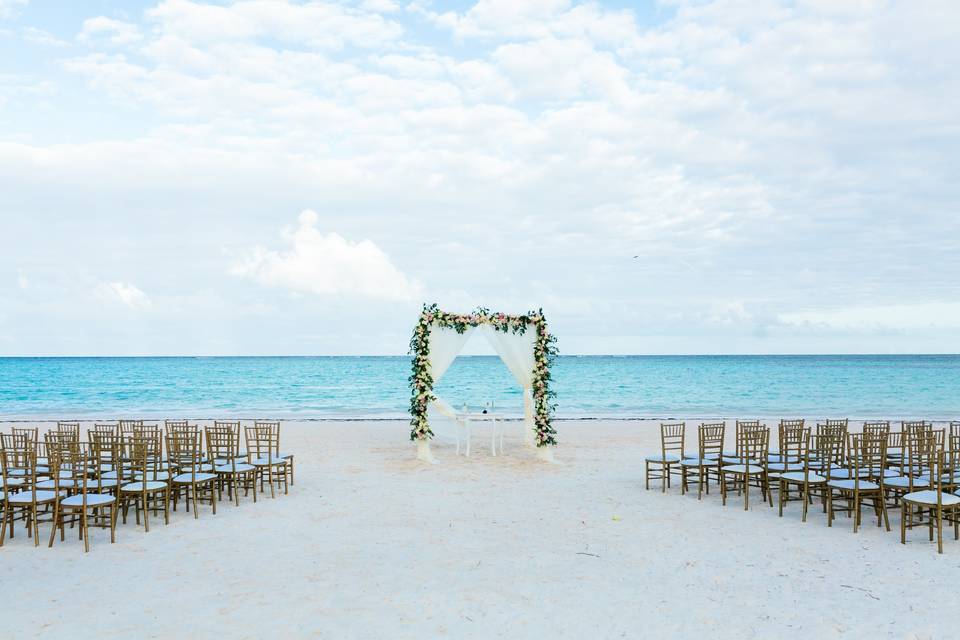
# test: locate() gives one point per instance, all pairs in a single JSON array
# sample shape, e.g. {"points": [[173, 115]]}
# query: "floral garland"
{"points": [[544, 353]]}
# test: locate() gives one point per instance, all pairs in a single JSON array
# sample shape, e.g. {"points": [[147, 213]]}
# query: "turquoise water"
{"points": [[893, 387]]}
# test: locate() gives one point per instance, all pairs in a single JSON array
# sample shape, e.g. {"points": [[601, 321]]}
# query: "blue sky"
{"points": [[281, 177]]}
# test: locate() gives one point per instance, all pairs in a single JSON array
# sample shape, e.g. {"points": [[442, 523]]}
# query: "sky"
{"points": [[277, 177]]}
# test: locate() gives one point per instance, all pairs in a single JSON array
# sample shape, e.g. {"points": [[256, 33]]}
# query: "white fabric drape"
{"points": [[445, 344], [516, 351]]}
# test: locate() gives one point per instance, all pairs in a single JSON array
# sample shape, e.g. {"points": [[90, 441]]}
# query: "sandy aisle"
{"points": [[372, 544]]}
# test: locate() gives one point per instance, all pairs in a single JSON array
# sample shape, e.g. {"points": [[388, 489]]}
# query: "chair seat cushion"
{"points": [[904, 482], [266, 462], [929, 497], [49, 485], [159, 475], [11, 482], [238, 468], [850, 485], [697, 462], [739, 461], [187, 478], [797, 476], [657, 458], [26, 497], [137, 487], [743, 469], [93, 500], [287, 456], [785, 466]]}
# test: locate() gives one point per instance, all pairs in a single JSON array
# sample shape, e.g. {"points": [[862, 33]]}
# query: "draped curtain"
{"points": [[445, 344], [516, 351]]}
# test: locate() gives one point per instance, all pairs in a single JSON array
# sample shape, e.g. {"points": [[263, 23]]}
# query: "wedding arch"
{"points": [[521, 341]]}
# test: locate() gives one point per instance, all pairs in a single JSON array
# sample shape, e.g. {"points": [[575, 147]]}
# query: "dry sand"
{"points": [[371, 543]]}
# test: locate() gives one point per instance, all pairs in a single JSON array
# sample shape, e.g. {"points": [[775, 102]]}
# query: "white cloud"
{"points": [[42, 37], [327, 264], [320, 24], [124, 293], [22, 281], [114, 32], [10, 8], [895, 317]]}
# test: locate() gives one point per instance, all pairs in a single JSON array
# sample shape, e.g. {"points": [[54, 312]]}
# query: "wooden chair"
{"points": [[183, 451], [262, 442], [749, 466], [143, 492], [938, 504], [282, 455], [867, 452], [83, 505], [232, 472], [661, 466], [707, 463], [913, 472], [817, 463], [18, 466]]}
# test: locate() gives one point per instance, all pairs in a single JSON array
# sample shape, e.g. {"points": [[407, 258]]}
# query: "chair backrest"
{"points": [[183, 450], [711, 437], [827, 449], [837, 422], [72, 428], [263, 440], [876, 426], [175, 423], [753, 445], [107, 452], [867, 455], [144, 457], [794, 442], [271, 424], [222, 446], [108, 428], [126, 426], [671, 437]]}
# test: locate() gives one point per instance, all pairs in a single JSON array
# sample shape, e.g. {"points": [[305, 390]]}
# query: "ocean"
{"points": [[886, 386]]}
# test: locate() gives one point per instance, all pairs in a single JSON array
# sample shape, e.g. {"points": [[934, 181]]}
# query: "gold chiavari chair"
{"points": [[18, 461], [656, 467], [143, 492], [279, 454], [232, 472], [913, 472], [710, 438], [262, 441], [749, 466], [866, 452], [183, 451], [938, 503], [822, 453], [88, 503]]}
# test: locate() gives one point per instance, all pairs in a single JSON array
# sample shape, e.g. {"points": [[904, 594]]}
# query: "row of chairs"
{"points": [[63, 479], [915, 468]]}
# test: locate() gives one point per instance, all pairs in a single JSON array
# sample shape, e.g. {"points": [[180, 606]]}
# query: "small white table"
{"points": [[464, 423]]}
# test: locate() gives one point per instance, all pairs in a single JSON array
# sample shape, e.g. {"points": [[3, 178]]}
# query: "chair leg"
{"points": [[903, 522]]}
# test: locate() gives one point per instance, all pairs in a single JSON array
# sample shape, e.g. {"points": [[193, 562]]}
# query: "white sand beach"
{"points": [[371, 543]]}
